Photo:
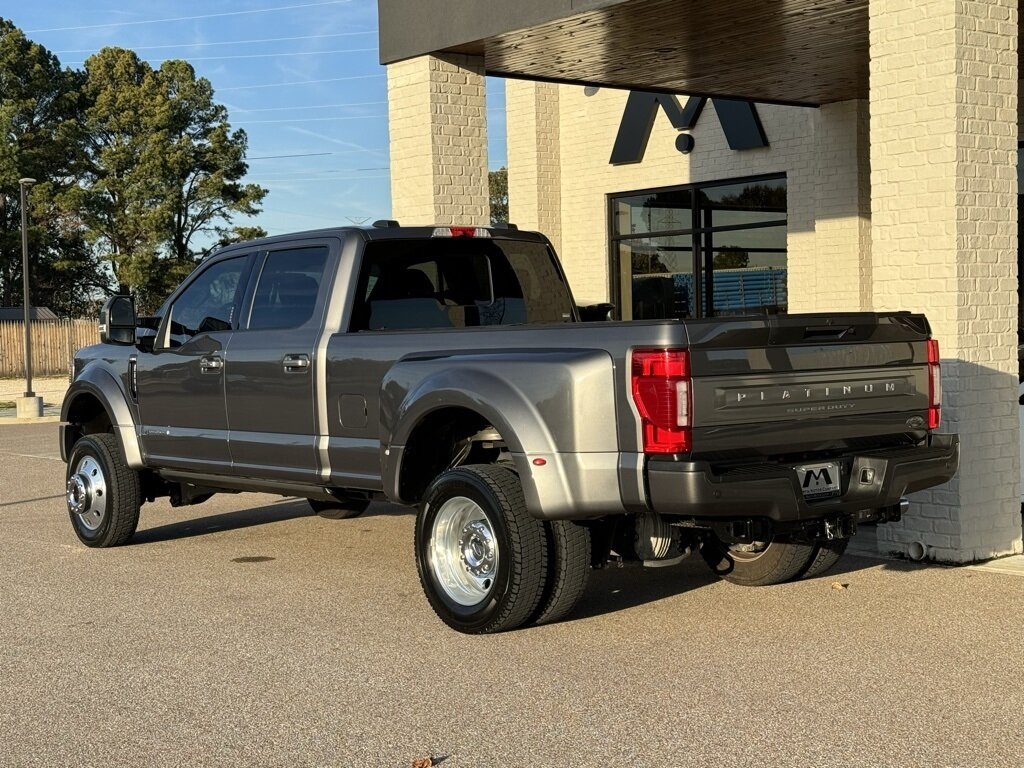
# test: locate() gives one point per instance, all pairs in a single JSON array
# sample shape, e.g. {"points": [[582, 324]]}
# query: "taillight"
{"points": [[661, 391], [934, 385]]}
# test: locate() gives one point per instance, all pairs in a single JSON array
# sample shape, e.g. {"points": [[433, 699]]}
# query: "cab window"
{"points": [[288, 287]]}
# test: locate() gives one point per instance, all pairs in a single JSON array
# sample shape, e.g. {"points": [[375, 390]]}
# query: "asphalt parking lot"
{"points": [[248, 632]]}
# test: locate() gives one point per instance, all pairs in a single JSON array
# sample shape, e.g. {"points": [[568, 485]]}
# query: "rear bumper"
{"points": [[692, 489]]}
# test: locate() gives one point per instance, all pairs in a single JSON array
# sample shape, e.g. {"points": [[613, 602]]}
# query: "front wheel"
{"points": [[481, 557], [758, 563], [103, 492]]}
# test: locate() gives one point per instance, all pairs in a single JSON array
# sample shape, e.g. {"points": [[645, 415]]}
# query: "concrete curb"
{"points": [[1012, 565], [5, 420]]}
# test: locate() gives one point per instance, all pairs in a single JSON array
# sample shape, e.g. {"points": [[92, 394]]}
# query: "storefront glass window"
{"points": [[700, 250]]}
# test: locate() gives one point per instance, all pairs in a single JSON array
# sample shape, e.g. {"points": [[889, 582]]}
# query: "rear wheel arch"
{"points": [[441, 439]]}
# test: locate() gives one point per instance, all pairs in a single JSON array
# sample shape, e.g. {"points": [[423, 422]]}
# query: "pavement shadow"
{"points": [[852, 563], [227, 521], [247, 518], [387, 509], [614, 589]]}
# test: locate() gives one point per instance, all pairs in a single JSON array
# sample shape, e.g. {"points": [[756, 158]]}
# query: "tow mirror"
{"points": [[117, 321], [596, 312]]}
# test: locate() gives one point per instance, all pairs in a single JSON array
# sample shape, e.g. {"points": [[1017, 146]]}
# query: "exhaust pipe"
{"points": [[917, 551]]}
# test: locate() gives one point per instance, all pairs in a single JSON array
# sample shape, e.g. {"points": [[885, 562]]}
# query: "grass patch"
{"points": [[6, 403]]}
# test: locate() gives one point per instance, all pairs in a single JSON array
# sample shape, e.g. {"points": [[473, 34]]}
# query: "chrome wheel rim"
{"points": [[87, 493], [463, 551]]}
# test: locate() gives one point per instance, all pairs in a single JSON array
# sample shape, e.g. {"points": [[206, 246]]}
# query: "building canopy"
{"points": [[794, 51]]}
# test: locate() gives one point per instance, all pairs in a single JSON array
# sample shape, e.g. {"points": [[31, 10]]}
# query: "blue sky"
{"points": [[300, 76]]}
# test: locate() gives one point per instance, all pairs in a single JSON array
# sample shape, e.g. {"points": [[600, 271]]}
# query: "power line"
{"points": [[311, 106], [332, 179], [255, 55], [223, 42], [310, 119], [317, 154], [189, 18], [306, 172], [304, 154], [299, 82]]}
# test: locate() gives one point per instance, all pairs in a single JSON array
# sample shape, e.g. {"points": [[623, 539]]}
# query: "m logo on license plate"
{"points": [[819, 481]]}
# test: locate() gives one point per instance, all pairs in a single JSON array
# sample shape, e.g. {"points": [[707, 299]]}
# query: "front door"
{"points": [[271, 376], [181, 383]]}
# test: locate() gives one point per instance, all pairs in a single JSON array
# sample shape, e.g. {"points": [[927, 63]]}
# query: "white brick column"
{"points": [[943, 104], [842, 208], [534, 157], [437, 119]]}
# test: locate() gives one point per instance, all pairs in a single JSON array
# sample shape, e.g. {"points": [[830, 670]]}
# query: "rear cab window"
{"points": [[288, 287], [458, 283]]}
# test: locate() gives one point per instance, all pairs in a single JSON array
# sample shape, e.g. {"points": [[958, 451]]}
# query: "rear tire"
{"points": [[481, 557], [103, 492], [568, 570], [338, 510], [826, 555], [764, 564]]}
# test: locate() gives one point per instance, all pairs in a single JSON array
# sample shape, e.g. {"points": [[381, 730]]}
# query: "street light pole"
{"points": [[25, 184]]}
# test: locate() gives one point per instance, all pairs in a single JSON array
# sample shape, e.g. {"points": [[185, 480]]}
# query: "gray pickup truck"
{"points": [[448, 368]]}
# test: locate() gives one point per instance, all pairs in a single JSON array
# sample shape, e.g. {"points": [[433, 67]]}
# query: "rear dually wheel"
{"points": [[481, 557], [758, 563]]}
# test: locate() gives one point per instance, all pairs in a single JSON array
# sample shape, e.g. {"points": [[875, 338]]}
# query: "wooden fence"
{"points": [[53, 344]]}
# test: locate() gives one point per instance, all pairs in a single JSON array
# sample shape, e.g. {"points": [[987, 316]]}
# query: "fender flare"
{"points": [[464, 387], [99, 383], [549, 490]]}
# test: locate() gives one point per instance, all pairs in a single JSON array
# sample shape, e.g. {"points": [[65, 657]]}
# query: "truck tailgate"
{"points": [[813, 382]]}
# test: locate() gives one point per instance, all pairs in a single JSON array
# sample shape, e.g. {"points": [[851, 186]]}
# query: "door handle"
{"points": [[210, 364], [296, 363]]}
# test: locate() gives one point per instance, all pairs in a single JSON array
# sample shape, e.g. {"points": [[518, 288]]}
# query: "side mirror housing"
{"points": [[596, 312], [117, 321]]}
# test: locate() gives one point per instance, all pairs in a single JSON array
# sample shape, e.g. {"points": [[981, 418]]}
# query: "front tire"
{"points": [[760, 563], [103, 492], [481, 557]]}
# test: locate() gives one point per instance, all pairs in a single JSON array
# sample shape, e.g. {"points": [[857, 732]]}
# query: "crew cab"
{"points": [[448, 368]]}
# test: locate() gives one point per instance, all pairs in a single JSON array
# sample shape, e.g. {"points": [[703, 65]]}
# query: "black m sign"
{"points": [[739, 120], [820, 478]]}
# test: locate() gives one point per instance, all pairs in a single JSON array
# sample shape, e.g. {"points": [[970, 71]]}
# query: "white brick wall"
{"points": [[438, 133], [944, 241], [824, 268], [842, 226]]}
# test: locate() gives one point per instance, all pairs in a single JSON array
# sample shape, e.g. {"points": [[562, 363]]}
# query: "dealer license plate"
{"points": [[819, 481]]}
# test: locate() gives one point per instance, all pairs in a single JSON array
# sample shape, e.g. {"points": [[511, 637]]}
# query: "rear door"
{"points": [[271, 386]]}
